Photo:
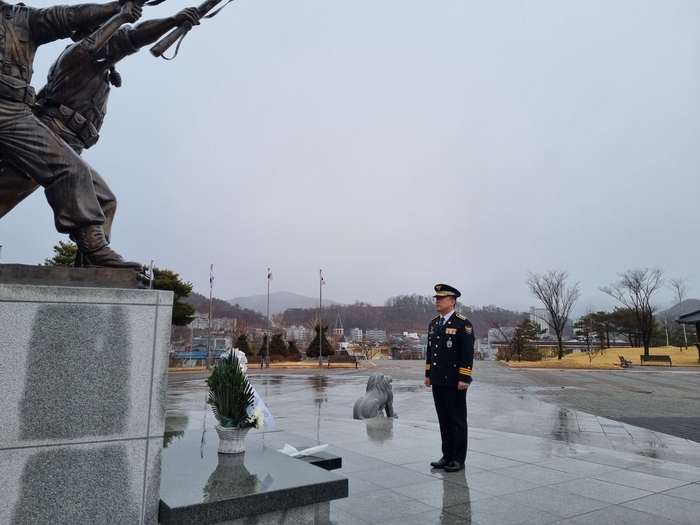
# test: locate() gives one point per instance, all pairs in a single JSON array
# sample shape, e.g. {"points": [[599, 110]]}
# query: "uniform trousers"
{"points": [[451, 408], [43, 159]]}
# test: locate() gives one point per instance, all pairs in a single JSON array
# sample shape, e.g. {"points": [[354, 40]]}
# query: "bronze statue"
{"points": [[29, 146], [73, 105]]}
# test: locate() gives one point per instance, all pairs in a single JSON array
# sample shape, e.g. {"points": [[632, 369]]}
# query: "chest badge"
{"points": [[451, 331], [449, 343]]}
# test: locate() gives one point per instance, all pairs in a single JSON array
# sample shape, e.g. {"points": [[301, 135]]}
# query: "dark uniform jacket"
{"points": [[23, 29], [450, 354], [74, 99]]}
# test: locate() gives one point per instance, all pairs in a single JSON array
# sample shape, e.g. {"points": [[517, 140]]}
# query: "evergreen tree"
{"points": [[326, 348], [278, 346], [243, 345], [625, 323], [293, 352], [63, 254], [521, 342], [183, 313]]}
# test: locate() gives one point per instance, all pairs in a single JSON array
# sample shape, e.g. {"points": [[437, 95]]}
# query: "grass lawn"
{"points": [[609, 359]]}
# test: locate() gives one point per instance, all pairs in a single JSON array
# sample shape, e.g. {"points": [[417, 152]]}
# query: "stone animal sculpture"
{"points": [[378, 396]]}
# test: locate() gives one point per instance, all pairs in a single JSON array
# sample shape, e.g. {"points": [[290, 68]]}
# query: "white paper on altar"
{"points": [[291, 451]]}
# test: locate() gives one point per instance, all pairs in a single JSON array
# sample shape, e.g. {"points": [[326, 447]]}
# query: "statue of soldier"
{"points": [[28, 146], [73, 103]]}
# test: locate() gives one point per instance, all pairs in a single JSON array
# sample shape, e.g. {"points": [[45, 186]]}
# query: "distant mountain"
{"points": [[689, 305], [279, 302]]}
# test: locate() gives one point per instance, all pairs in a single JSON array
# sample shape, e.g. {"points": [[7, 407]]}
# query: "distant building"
{"points": [[339, 340], [219, 324], [299, 334], [217, 343], [338, 328], [356, 335], [375, 335], [540, 317]]}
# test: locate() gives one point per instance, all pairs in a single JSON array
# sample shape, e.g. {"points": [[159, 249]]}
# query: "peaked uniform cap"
{"points": [[445, 290]]}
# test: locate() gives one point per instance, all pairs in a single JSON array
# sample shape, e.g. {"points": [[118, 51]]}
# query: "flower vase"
{"points": [[231, 439]]}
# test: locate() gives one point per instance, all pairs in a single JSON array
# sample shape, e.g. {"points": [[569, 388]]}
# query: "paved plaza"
{"points": [[565, 447]]}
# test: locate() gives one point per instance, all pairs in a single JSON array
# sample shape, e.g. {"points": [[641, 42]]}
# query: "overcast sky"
{"points": [[400, 143]]}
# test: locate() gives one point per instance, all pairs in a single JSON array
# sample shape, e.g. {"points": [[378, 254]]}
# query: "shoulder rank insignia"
{"points": [[460, 316], [469, 329], [434, 318]]}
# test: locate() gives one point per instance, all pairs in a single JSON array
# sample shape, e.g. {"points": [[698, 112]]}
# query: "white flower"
{"points": [[258, 417]]}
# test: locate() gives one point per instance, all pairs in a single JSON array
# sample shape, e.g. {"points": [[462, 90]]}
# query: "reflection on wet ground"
{"points": [[529, 461], [379, 429]]}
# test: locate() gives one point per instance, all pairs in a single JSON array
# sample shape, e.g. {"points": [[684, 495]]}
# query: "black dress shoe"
{"points": [[439, 464], [454, 466]]}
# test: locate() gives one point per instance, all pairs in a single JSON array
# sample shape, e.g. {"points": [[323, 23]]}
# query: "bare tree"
{"points": [[558, 299], [502, 325], [634, 291], [680, 290]]}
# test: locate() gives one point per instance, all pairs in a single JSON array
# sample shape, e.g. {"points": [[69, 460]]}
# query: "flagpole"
{"points": [[320, 318], [150, 276], [267, 353], [211, 289]]}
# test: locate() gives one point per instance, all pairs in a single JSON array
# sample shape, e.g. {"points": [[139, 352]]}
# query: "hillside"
{"points": [[689, 305], [221, 308], [279, 302], [409, 313]]}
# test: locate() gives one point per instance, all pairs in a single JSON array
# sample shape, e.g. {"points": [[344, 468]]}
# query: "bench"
{"points": [[341, 359], [625, 363], [655, 359], [255, 360]]}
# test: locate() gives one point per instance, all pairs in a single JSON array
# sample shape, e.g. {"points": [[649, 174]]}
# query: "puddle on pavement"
{"points": [[318, 383]]}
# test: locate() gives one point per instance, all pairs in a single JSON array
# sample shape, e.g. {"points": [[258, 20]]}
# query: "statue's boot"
{"points": [[93, 245], [78, 263]]}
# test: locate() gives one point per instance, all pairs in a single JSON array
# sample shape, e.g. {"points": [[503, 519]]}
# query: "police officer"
{"points": [[448, 369]]}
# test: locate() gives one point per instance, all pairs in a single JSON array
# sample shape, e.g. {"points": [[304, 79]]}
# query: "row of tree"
{"points": [[286, 351], [634, 291]]}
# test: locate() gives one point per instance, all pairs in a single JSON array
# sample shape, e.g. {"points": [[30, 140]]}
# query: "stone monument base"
{"points": [[261, 485], [83, 383]]}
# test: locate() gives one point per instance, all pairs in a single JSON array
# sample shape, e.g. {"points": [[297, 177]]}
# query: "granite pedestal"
{"points": [[82, 382], [261, 486]]}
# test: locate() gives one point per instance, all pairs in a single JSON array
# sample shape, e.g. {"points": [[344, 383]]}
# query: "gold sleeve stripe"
{"points": [[465, 371], [427, 366]]}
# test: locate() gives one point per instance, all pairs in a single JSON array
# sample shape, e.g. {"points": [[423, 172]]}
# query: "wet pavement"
{"points": [[545, 446]]}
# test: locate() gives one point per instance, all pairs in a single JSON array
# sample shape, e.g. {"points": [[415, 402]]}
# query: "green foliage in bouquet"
{"points": [[230, 394]]}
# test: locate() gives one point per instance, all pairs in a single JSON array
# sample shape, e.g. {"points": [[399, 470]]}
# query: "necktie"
{"points": [[442, 322]]}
